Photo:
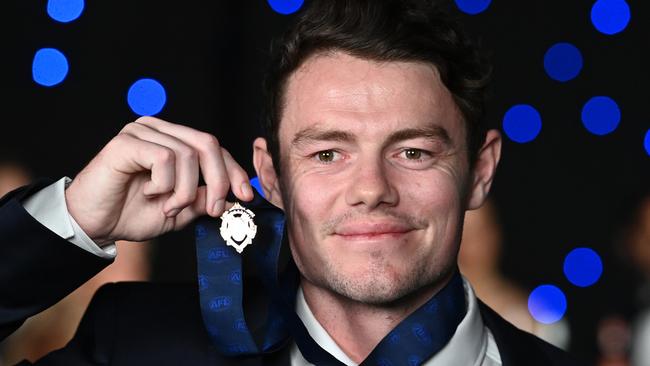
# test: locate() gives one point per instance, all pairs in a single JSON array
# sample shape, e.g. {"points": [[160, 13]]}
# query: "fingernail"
{"points": [[173, 212], [217, 209], [247, 189]]}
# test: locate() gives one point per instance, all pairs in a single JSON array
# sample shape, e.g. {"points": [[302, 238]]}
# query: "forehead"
{"points": [[341, 91]]}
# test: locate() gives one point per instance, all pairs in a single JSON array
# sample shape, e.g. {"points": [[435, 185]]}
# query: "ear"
{"points": [[484, 170], [266, 173]]}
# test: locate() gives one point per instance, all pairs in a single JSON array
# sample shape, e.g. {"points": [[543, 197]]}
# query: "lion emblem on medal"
{"points": [[237, 227]]}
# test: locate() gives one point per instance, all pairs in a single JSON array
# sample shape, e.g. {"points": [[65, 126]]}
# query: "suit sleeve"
{"points": [[37, 267], [94, 339]]}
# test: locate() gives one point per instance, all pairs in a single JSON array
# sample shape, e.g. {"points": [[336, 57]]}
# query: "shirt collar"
{"points": [[467, 347]]}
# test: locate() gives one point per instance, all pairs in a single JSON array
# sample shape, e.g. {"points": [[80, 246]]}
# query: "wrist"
{"points": [[80, 218]]}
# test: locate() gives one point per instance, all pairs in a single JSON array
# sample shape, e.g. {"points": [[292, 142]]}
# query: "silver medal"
{"points": [[237, 227]]}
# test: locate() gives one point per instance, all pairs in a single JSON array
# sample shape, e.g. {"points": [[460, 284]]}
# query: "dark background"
{"points": [[566, 188]]}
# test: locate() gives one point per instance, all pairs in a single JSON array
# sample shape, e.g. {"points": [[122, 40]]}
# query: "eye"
{"points": [[327, 156], [413, 154]]}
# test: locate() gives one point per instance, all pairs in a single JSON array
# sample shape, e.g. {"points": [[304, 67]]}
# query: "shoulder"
{"points": [[146, 322], [517, 347], [138, 293], [144, 305]]}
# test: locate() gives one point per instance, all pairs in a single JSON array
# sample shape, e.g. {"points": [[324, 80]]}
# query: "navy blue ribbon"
{"points": [[221, 280]]}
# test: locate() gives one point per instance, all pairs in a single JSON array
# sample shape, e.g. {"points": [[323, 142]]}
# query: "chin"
{"points": [[377, 286]]}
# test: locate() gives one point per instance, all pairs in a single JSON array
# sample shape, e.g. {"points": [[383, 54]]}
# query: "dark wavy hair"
{"points": [[380, 30]]}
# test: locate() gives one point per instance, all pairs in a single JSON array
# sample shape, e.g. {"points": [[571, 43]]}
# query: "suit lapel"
{"points": [[516, 347]]}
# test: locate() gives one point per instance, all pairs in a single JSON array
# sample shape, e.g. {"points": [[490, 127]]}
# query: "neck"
{"points": [[358, 327]]}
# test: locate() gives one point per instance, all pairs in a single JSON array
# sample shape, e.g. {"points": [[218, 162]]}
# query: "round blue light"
{"points": [[646, 142], [255, 182], [49, 67], [547, 304], [563, 61], [146, 97], [610, 16], [601, 115], [285, 7], [473, 7], [522, 123], [65, 11], [583, 267]]}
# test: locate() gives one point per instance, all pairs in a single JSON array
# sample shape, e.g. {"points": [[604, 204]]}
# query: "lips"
{"points": [[369, 230]]}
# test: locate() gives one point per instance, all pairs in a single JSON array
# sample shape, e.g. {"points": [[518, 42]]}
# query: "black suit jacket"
{"points": [[148, 323]]}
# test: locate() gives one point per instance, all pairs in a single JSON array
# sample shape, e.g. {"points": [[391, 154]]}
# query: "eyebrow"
{"points": [[431, 133], [312, 134]]}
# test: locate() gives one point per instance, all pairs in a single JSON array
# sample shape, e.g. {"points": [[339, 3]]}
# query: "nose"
{"points": [[371, 186]]}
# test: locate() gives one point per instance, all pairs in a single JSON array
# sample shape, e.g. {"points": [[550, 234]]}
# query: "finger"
{"points": [[215, 176], [194, 210], [211, 160], [135, 155], [239, 181], [187, 166]]}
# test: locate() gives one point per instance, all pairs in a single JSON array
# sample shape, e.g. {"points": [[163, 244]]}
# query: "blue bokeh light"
{"points": [[473, 7], [601, 115], [255, 182], [146, 97], [583, 267], [610, 16], [522, 123], [547, 304], [646, 142], [65, 11], [49, 67], [563, 62], [285, 7]]}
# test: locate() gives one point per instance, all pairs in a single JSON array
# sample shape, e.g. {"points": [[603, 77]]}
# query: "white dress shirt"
{"points": [[48, 207], [472, 344]]}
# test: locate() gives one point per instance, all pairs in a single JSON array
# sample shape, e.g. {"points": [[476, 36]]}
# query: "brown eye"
{"points": [[413, 154], [326, 156]]}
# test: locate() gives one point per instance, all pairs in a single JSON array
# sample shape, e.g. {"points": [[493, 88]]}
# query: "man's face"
{"points": [[374, 175]]}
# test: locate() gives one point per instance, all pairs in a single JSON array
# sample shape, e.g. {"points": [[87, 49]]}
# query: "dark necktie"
{"points": [[413, 341]]}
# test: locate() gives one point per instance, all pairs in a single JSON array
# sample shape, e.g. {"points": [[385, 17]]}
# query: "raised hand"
{"points": [[144, 182]]}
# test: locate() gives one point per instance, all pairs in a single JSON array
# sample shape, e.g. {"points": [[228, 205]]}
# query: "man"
{"points": [[374, 150]]}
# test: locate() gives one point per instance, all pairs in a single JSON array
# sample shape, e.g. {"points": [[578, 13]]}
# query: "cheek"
{"points": [[438, 200], [437, 193], [311, 197], [309, 201]]}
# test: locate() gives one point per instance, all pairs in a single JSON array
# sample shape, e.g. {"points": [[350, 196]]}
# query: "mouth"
{"points": [[364, 231]]}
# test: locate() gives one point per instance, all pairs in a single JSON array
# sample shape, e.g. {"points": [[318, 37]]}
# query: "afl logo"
{"points": [[237, 227], [220, 303], [422, 334]]}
